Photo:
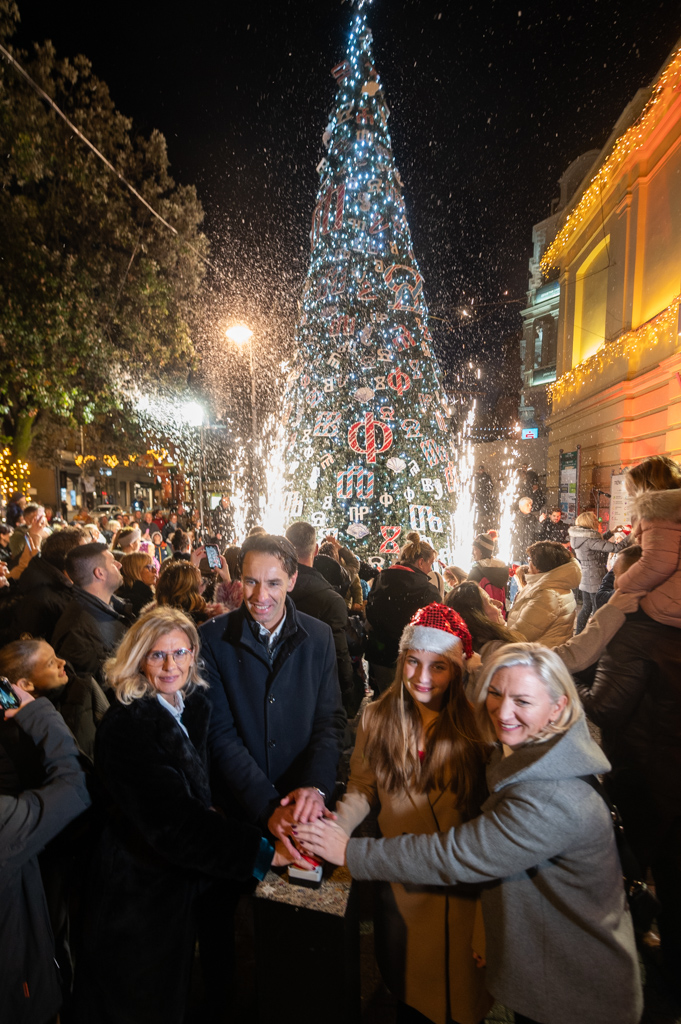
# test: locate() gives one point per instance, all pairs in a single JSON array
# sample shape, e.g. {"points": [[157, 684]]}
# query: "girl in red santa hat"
{"points": [[420, 761]]}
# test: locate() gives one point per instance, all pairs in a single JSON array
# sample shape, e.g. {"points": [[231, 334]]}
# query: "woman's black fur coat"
{"points": [[161, 846]]}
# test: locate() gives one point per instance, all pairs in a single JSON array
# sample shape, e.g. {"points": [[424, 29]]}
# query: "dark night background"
{"points": [[490, 103]]}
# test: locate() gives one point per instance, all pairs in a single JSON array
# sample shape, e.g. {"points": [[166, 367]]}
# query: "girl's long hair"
{"points": [[466, 599], [455, 752]]}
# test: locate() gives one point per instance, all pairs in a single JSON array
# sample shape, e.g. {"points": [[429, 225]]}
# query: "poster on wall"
{"points": [[568, 484], [620, 511]]}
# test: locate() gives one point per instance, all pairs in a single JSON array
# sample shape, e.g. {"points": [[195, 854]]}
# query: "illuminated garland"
{"points": [[643, 338], [14, 475], [631, 141], [160, 456]]}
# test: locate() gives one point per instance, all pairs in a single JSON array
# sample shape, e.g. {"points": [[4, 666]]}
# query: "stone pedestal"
{"points": [[307, 950]]}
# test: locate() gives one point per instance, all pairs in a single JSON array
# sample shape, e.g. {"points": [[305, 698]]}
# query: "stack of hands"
{"points": [[304, 827]]}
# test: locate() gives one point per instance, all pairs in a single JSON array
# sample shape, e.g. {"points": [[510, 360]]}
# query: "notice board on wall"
{"points": [[568, 484], [620, 502]]}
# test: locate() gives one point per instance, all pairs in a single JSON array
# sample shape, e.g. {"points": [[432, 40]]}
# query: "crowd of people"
{"points": [[176, 704]]}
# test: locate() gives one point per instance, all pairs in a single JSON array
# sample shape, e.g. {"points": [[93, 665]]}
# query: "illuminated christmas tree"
{"points": [[368, 454]]}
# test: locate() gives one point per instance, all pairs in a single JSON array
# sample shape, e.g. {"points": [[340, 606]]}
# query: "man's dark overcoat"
{"points": [[276, 725]]}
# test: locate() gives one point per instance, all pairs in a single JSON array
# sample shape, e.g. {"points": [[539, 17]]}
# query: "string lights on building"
{"points": [[636, 342], [633, 139]]}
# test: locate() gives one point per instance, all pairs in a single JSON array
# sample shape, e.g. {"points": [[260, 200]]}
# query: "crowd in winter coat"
{"points": [[271, 722]]}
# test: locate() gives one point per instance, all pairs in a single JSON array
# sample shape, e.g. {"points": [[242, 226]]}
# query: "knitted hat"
{"points": [[439, 629], [486, 544]]}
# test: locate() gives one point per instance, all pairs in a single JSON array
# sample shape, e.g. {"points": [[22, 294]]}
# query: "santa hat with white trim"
{"points": [[438, 629]]}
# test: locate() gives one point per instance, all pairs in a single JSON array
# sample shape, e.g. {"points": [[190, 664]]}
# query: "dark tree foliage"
{"points": [[96, 296]]}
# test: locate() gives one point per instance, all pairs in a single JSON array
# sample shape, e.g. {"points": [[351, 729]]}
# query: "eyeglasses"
{"points": [[180, 657]]}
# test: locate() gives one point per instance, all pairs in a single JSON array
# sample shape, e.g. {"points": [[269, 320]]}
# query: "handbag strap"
{"points": [[630, 866]]}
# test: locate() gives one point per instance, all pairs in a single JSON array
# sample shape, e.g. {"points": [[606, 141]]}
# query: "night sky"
{"points": [[490, 102]]}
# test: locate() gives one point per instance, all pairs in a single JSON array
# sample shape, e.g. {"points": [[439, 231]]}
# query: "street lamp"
{"points": [[192, 415], [241, 334]]}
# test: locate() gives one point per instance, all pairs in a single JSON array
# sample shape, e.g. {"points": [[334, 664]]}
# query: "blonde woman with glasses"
{"points": [[162, 842], [560, 943]]}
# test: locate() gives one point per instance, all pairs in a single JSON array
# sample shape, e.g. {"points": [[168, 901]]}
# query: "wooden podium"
{"points": [[307, 940]]}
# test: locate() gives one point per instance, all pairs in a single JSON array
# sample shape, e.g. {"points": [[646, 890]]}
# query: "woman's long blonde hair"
{"points": [[124, 671], [550, 669], [455, 753]]}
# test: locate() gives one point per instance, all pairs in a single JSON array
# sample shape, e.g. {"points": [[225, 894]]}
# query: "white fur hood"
{"points": [[661, 505]]}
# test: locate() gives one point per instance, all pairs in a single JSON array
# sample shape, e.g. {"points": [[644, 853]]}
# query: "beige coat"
{"points": [[544, 612], [425, 937]]}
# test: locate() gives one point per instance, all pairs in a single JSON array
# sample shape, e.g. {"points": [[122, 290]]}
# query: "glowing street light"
{"points": [[192, 414], [239, 333]]}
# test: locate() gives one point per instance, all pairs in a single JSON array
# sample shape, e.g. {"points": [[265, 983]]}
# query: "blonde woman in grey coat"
{"points": [[591, 551], [560, 943]]}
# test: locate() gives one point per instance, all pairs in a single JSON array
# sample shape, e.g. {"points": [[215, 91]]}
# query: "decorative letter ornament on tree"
{"points": [[364, 405]]}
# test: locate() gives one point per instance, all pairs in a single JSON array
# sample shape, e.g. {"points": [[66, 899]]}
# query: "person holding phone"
{"points": [[29, 981]]}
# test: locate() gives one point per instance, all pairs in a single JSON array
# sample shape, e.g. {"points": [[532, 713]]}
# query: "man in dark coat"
{"points": [[44, 588], [278, 719], [222, 521], [553, 528], [396, 595], [526, 531], [30, 992], [315, 596], [171, 526], [277, 722], [94, 621]]}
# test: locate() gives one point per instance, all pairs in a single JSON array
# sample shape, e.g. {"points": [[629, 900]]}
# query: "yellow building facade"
{"points": [[617, 256]]}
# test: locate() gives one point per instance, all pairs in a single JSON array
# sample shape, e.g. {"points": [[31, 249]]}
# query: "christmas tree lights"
{"points": [[367, 454]]}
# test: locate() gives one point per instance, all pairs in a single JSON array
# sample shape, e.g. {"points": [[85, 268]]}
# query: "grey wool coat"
{"points": [[560, 943], [591, 551]]}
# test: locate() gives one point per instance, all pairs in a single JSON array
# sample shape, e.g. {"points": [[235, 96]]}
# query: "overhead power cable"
{"points": [[48, 99]]}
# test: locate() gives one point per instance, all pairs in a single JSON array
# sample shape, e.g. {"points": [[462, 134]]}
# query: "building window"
{"points": [[591, 298], [538, 346]]}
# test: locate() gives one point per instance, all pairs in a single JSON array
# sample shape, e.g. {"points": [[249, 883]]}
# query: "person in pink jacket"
{"points": [[655, 486]]}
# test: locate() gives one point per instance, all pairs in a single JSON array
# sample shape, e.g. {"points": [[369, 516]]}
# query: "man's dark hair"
{"points": [[303, 536], [82, 561], [548, 554], [555, 508], [179, 540], [5, 530], [270, 544], [30, 509], [56, 547]]}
